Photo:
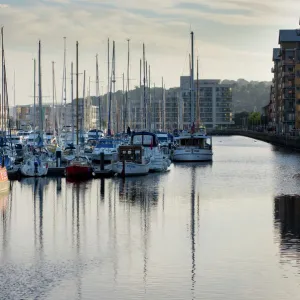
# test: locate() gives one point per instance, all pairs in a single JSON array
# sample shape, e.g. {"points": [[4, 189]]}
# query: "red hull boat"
{"points": [[79, 169]]}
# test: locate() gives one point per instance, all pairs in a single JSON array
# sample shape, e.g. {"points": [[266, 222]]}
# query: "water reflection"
{"points": [[140, 190], [287, 222]]}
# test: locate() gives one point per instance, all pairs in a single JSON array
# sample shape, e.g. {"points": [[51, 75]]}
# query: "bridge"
{"points": [[285, 140]]}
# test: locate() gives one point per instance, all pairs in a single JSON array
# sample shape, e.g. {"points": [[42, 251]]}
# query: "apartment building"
{"points": [[58, 116], [284, 105], [213, 103]]}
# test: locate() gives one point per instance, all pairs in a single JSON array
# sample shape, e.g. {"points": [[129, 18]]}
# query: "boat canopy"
{"points": [[144, 138], [106, 143]]}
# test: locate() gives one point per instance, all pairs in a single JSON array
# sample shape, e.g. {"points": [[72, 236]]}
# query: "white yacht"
{"points": [[107, 146], [95, 134], [159, 161], [192, 147], [14, 139], [131, 161]]}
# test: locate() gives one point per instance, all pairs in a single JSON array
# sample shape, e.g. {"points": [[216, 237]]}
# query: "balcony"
{"points": [[288, 62], [289, 74], [286, 85], [272, 70]]}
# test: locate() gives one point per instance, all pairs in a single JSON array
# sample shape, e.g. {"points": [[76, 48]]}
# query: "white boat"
{"points": [[192, 147], [33, 166], [131, 161], [107, 146], [14, 139], [159, 160], [95, 134]]}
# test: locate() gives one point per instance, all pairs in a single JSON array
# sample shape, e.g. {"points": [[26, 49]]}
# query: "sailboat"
{"points": [[80, 167], [35, 164], [4, 183], [192, 145]]}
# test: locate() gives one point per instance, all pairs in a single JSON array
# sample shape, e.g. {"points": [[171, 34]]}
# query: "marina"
{"points": [[133, 165], [158, 236]]}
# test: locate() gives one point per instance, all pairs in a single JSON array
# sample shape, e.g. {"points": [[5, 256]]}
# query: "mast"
{"points": [[197, 95], [163, 105], [127, 104], [144, 68], [34, 96], [53, 98], [82, 106], [77, 123], [108, 98], [146, 96], [149, 95], [2, 82], [192, 81], [98, 91], [14, 116], [124, 103], [40, 93], [154, 108], [72, 102], [65, 83], [116, 113], [141, 114]]}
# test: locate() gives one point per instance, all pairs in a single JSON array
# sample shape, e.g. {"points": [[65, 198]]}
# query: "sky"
{"points": [[233, 39]]}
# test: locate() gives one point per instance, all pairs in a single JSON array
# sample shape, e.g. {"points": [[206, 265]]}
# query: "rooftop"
{"points": [[289, 35]]}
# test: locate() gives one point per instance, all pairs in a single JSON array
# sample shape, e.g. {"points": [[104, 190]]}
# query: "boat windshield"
{"points": [[145, 140], [193, 142], [105, 144], [162, 139]]}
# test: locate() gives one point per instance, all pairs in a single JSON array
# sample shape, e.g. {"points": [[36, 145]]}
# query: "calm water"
{"points": [[226, 230]]}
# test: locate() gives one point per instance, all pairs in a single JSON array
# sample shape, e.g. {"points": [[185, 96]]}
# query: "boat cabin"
{"points": [[145, 139], [131, 153], [195, 142]]}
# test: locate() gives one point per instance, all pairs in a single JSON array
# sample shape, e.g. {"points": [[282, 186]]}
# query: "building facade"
{"points": [[213, 103], [285, 89]]}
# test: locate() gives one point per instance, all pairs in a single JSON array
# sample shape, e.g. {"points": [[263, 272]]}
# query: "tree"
{"points": [[254, 118], [240, 118]]}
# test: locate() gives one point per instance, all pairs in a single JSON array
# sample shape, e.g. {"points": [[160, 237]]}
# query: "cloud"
{"points": [[3, 5], [228, 33]]}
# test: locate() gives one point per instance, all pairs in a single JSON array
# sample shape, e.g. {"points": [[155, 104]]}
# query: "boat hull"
{"points": [[192, 155], [30, 171], [4, 182], [131, 168], [79, 172], [107, 157]]}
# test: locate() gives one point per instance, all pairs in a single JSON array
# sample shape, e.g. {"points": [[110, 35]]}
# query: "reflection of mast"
{"points": [[193, 231], [41, 214], [78, 241], [146, 205]]}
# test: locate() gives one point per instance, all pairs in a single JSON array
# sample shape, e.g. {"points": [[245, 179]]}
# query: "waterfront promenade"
{"points": [[289, 141]]}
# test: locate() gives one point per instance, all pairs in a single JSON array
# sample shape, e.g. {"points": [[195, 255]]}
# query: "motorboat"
{"points": [[69, 153], [79, 168], [95, 134], [159, 160], [131, 161], [89, 147], [192, 147], [107, 146]]}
